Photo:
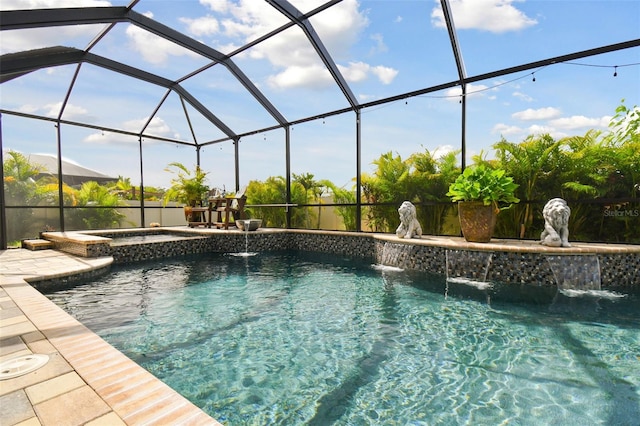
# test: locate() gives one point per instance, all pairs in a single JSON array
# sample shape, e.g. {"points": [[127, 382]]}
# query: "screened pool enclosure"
{"points": [[253, 90]]}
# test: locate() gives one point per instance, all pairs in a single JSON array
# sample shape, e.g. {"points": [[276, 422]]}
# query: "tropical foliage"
{"points": [[481, 183], [96, 208], [188, 186], [91, 206], [598, 173], [305, 190], [20, 188]]}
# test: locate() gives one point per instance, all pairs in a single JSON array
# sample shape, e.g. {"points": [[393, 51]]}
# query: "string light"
{"points": [[502, 83]]}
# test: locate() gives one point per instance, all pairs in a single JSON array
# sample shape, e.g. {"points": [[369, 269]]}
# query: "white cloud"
{"points": [[355, 72], [37, 38], [28, 108], [538, 129], [317, 76], [384, 74], [473, 90], [497, 16], [506, 130], [71, 112], [296, 76], [379, 44], [154, 49], [519, 133], [365, 98], [550, 123], [522, 96], [580, 122], [108, 138], [204, 26], [360, 71], [221, 6], [442, 150], [157, 127], [47, 4], [296, 62], [537, 114]]}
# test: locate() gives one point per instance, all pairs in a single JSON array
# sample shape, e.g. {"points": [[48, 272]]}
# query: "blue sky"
{"points": [[382, 48]]}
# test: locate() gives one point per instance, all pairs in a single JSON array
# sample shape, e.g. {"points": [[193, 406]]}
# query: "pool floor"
{"points": [[299, 339]]}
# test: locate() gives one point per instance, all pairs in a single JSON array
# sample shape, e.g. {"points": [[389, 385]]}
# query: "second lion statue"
{"points": [[409, 225], [556, 223]]}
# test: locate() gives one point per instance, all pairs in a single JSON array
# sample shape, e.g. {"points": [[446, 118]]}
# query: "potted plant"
{"points": [[188, 187], [479, 190]]}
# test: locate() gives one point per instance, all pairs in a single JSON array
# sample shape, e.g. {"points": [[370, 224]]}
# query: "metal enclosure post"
{"points": [[236, 154], [462, 73], [463, 140], [287, 149], [60, 182], [3, 204], [358, 172], [142, 218]]}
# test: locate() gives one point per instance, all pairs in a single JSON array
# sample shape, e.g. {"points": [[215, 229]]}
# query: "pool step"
{"points": [[37, 244]]}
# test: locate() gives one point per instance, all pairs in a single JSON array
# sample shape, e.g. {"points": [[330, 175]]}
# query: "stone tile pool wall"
{"points": [[617, 270], [342, 243], [519, 262]]}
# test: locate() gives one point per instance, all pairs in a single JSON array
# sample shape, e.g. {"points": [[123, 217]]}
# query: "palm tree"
{"points": [[390, 184], [20, 179], [188, 187], [431, 178], [341, 196], [309, 184], [97, 207], [123, 188], [533, 164], [20, 189]]}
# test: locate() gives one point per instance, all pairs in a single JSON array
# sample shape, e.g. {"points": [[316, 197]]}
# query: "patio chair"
{"points": [[230, 208]]}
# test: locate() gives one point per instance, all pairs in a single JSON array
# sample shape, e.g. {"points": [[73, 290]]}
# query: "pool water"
{"points": [[150, 238], [290, 338]]}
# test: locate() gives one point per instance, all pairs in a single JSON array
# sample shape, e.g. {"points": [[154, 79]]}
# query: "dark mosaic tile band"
{"points": [[618, 270]]}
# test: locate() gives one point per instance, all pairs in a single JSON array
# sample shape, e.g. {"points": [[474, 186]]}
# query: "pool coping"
{"points": [[86, 381]]}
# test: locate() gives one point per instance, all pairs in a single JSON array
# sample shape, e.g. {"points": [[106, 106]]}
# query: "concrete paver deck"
{"points": [[86, 381]]}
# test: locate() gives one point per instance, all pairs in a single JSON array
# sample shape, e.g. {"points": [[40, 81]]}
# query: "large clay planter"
{"points": [[477, 221], [187, 213]]}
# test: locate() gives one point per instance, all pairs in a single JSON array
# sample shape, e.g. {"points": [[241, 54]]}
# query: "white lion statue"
{"points": [[556, 220], [409, 225]]}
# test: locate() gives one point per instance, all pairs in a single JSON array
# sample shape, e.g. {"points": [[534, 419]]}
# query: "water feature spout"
{"points": [[579, 283], [576, 272], [246, 226], [469, 267], [394, 257]]}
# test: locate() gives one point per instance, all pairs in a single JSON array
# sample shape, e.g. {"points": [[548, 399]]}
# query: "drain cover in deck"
{"points": [[20, 365]]}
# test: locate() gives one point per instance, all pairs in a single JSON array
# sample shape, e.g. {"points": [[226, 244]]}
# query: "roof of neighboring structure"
{"points": [[73, 174]]}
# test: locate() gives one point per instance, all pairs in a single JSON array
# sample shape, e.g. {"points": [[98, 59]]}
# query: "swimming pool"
{"points": [[294, 338]]}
